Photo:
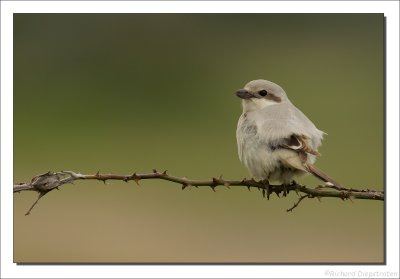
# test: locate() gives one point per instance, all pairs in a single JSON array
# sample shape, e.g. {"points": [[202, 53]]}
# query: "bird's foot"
{"points": [[267, 188], [285, 188]]}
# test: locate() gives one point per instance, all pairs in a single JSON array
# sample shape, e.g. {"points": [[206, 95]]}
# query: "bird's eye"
{"points": [[263, 92]]}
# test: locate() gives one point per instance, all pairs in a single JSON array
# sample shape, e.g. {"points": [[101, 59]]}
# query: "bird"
{"points": [[276, 141]]}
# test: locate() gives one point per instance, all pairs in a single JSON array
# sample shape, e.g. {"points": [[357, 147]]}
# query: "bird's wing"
{"points": [[294, 151], [299, 143], [279, 122]]}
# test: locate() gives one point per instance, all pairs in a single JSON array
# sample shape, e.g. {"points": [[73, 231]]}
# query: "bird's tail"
{"points": [[321, 175]]}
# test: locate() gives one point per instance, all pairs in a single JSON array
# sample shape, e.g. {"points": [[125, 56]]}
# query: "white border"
{"points": [[10, 270]]}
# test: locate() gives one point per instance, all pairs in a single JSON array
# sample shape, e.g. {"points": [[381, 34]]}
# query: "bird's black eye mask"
{"points": [[273, 97], [244, 94]]}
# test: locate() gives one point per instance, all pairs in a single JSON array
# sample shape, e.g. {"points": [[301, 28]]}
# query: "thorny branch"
{"points": [[44, 183]]}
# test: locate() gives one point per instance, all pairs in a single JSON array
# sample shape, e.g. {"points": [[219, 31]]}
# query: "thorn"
{"points": [[126, 179], [297, 191], [164, 172], [213, 188], [97, 173], [58, 188], [220, 177], [263, 192], [215, 181], [227, 184], [184, 186], [135, 178], [277, 193], [248, 187], [137, 181], [154, 171], [319, 198]]}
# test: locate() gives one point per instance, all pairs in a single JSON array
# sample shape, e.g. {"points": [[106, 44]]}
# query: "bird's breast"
{"points": [[254, 153]]}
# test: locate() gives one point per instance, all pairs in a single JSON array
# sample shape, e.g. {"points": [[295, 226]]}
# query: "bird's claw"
{"points": [[266, 188]]}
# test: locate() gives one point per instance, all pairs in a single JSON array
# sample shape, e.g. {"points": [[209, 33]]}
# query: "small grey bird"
{"points": [[276, 141]]}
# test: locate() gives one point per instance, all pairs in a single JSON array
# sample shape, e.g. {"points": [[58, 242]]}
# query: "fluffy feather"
{"points": [[276, 141]]}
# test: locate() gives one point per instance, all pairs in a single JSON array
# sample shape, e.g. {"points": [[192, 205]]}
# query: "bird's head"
{"points": [[258, 94]]}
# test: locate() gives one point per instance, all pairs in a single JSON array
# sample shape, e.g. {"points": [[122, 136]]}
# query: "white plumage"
{"points": [[276, 141]]}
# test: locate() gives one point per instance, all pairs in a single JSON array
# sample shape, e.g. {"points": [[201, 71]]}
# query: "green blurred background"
{"points": [[121, 93]]}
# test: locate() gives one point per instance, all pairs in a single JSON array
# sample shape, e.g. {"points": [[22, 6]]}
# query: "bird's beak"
{"points": [[244, 94]]}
